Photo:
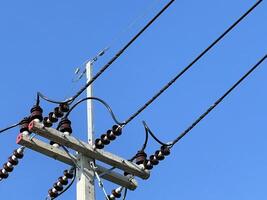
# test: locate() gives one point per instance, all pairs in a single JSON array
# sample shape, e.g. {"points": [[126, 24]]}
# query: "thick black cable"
{"points": [[99, 100], [9, 127], [152, 135], [216, 103], [190, 65], [146, 137], [106, 66]]}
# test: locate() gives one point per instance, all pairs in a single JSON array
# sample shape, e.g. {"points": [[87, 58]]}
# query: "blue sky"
{"points": [[222, 158]]}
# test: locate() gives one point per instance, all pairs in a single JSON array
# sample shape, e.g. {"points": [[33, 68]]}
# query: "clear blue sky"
{"points": [[224, 157]]}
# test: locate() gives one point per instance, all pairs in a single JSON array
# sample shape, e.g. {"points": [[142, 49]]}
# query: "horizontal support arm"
{"points": [[67, 158], [87, 150]]}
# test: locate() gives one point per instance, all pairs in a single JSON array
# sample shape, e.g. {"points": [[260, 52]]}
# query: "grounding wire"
{"points": [[108, 64], [150, 101]]}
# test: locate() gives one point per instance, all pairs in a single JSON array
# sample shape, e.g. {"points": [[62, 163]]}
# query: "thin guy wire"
{"points": [[106, 66], [115, 39], [190, 65]]}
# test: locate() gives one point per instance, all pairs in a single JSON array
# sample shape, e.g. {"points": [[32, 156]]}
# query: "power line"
{"points": [[216, 103], [159, 155], [115, 39], [190, 65], [108, 64]]}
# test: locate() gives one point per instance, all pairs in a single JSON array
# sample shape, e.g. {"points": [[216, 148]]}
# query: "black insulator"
{"points": [[165, 150], [140, 157], [63, 181], [148, 165], [65, 125], [36, 113], [116, 194], [159, 155], [58, 187], [111, 135], [104, 139], [13, 161], [52, 117], [47, 122], [58, 113], [52, 193], [99, 144], [64, 107], [68, 174], [8, 168], [153, 160], [117, 130], [18, 154], [24, 124], [3, 175]]}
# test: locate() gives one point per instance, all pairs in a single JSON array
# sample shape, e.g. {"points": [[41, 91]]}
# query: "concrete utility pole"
{"points": [[85, 180]]}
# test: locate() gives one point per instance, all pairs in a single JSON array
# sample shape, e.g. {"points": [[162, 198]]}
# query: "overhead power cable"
{"points": [[9, 127], [108, 64], [114, 40], [96, 99], [150, 101], [165, 150], [216, 103], [201, 117]]}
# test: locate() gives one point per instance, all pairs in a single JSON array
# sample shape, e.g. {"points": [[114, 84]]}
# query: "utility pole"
{"points": [[87, 154], [85, 180]]}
